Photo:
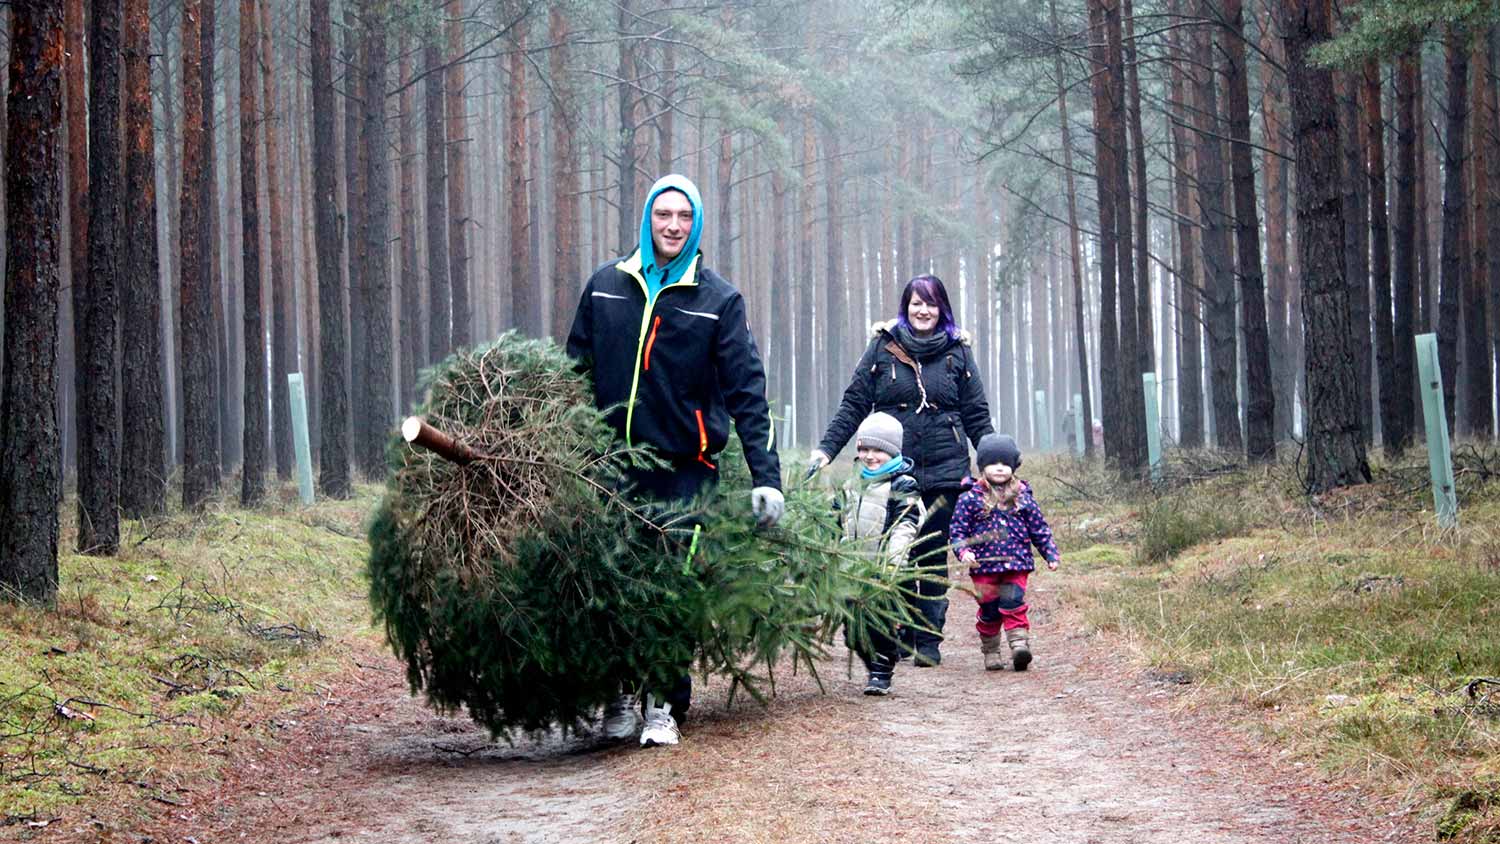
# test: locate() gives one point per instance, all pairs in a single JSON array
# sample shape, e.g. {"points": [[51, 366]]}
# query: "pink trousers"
{"points": [[1002, 601]]}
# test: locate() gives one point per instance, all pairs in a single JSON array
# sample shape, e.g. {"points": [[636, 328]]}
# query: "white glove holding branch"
{"points": [[767, 504]]}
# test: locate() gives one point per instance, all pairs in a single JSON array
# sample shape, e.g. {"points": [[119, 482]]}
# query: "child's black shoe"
{"points": [[878, 678]]}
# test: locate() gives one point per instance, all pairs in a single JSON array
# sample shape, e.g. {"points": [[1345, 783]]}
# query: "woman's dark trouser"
{"points": [[930, 604], [676, 483]]}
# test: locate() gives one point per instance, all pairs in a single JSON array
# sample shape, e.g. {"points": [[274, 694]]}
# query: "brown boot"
{"points": [[990, 647], [1020, 651]]}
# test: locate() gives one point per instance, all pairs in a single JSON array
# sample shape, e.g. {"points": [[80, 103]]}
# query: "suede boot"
{"points": [[1020, 649], [990, 647]]}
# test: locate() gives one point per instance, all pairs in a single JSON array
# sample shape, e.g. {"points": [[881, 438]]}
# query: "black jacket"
{"points": [[934, 438], [672, 376]]}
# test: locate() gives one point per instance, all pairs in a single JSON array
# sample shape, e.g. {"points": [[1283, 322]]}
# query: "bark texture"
{"points": [[143, 455], [1335, 445], [30, 441]]}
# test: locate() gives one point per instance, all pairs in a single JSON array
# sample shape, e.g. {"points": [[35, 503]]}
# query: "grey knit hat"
{"points": [[997, 448], [882, 431]]}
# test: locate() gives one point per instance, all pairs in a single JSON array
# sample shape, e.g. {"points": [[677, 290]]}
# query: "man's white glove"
{"points": [[767, 505]]}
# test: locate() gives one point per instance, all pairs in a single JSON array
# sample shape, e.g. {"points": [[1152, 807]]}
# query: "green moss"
{"points": [[184, 604], [1473, 815]]}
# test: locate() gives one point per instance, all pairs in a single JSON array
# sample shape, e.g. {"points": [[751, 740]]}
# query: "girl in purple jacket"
{"points": [[995, 524]]}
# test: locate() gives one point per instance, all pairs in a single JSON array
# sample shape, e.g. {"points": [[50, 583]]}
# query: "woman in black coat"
{"points": [[920, 368]]}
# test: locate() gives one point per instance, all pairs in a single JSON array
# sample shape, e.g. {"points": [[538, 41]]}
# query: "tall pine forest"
{"points": [[1260, 202]]}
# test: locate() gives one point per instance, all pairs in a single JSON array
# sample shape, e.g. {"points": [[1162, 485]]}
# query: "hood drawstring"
{"points": [[921, 388]]}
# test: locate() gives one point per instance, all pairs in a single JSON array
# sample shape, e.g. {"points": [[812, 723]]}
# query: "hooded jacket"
{"points": [[671, 353], [950, 398]]}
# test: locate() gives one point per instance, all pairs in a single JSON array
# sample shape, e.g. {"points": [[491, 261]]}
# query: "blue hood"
{"points": [[659, 277]]}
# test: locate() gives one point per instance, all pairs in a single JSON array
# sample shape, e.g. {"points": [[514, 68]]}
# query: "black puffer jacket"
{"points": [[933, 439]]}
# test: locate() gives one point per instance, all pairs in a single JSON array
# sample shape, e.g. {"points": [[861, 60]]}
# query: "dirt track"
{"points": [[1078, 749]]}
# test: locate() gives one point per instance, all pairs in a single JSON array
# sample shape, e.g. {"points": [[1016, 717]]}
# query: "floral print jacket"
{"points": [[1000, 539]]}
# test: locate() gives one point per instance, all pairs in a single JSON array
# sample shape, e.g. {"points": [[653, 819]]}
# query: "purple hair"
{"points": [[930, 289]]}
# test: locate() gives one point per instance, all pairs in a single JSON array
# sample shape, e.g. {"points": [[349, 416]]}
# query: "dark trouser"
{"points": [[677, 483], [930, 603], [875, 644]]}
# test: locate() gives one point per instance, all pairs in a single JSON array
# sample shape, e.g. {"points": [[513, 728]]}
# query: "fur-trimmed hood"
{"points": [[889, 327]]}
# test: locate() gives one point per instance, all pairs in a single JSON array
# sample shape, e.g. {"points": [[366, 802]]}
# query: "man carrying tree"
{"points": [[673, 361]]}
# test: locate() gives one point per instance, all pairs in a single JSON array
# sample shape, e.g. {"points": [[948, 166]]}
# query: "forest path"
{"points": [[1078, 749]]}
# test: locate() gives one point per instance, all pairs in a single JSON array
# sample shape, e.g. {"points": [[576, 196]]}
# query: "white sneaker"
{"points": [[661, 727], [622, 718]]}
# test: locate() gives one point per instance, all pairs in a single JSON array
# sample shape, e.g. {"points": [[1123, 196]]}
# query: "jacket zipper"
{"points": [[640, 343], [651, 341], [703, 441]]}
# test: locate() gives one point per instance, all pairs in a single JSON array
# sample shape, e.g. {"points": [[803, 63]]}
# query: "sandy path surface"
{"points": [[1081, 748]]}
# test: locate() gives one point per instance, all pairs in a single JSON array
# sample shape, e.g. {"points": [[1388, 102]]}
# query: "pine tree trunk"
{"points": [[1335, 446], [1401, 422], [440, 294], [1380, 246], [1105, 171], [1218, 263], [1491, 121], [379, 401], [1357, 237], [836, 282], [567, 270], [1075, 249], [1278, 280], [458, 181], [30, 440], [172, 179], [1146, 337], [411, 272], [1260, 409], [627, 206], [96, 302], [536, 186], [356, 154], [143, 458], [283, 345], [225, 398], [200, 450], [76, 92], [526, 306], [1478, 392], [312, 361], [252, 477], [1132, 422], [1385, 343], [724, 223], [1426, 180], [1040, 365], [665, 149], [807, 396], [333, 463], [782, 338], [902, 264], [1455, 207], [1189, 320]]}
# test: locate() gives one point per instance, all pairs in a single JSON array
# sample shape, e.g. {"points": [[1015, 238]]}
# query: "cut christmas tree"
{"points": [[520, 580]]}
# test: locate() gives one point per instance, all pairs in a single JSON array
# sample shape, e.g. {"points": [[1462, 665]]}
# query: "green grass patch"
{"points": [[1349, 626], [147, 654], [1173, 524]]}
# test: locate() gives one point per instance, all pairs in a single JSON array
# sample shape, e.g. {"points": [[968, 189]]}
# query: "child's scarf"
{"points": [[891, 467], [1003, 497]]}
